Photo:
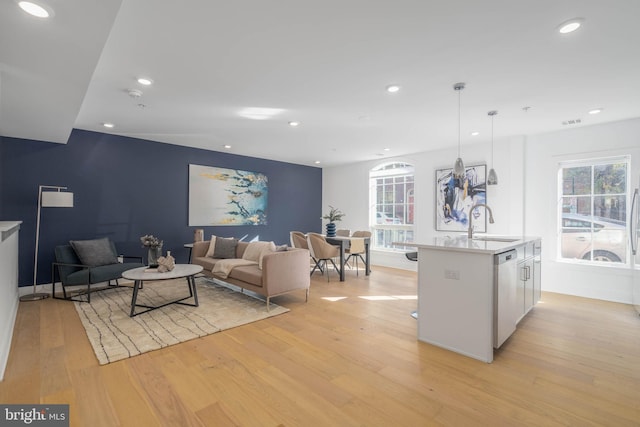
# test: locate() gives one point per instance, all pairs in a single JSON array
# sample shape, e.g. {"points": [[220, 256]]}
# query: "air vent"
{"points": [[572, 122]]}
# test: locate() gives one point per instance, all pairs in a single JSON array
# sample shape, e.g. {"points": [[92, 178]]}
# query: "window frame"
{"points": [[394, 230], [592, 195]]}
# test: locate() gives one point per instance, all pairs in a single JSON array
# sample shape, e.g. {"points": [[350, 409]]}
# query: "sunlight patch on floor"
{"points": [[388, 297], [333, 299]]}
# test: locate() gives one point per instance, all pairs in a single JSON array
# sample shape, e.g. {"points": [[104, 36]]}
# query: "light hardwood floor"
{"points": [[348, 357]]}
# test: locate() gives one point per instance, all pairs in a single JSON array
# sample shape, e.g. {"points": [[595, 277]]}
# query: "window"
{"points": [[392, 204], [593, 210]]}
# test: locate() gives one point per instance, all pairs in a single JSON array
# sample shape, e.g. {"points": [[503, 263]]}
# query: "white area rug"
{"points": [[115, 336]]}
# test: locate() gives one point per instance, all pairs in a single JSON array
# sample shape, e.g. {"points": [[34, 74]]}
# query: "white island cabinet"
{"points": [[8, 287], [460, 299]]}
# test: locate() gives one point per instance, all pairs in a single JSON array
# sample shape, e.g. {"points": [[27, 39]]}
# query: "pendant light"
{"points": [[458, 167], [492, 179]]}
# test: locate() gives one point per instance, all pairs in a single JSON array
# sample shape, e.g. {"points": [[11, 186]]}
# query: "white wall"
{"points": [[347, 188], [543, 154], [524, 201]]}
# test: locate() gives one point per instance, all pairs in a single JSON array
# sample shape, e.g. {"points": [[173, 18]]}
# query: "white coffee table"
{"points": [[140, 275]]}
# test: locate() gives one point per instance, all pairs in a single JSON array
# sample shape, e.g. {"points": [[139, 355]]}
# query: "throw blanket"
{"points": [[223, 267]]}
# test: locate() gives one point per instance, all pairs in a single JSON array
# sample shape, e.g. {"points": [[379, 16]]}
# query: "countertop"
{"points": [[461, 243], [8, 227]]}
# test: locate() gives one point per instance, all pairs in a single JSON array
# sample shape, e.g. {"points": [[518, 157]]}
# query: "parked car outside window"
{"points": [[383, 218], [593, 238]]}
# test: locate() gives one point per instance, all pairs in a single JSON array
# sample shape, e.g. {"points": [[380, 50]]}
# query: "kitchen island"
{"points": [[9, 298], [473, 292]]}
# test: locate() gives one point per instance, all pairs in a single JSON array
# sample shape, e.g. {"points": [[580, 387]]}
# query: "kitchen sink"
{"points": [[496, 239]]}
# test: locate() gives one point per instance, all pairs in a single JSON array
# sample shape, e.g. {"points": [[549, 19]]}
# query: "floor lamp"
{"points": [[47, 199]]}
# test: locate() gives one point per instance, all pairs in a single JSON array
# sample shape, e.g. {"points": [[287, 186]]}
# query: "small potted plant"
{"points": [[155, 248], [333, 216]]}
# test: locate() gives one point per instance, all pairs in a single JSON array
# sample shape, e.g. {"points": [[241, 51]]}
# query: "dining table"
{"points": [[345, 243]]}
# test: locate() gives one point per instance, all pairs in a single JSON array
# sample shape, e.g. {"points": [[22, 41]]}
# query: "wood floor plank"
{"points": [[348, 357]]}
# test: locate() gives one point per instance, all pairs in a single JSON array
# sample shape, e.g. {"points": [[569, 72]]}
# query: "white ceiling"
{"points": [[323, 63]]}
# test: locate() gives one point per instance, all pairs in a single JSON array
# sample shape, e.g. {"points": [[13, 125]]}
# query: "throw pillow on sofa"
{"points": [[94, 253], [256, 250], [225, 248], [212, 246]]}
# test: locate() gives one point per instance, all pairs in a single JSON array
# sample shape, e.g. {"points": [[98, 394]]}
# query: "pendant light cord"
{"points": [[492, 114], [459, 122]]}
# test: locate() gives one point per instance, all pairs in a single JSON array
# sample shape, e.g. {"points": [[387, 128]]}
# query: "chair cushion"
{"points": [[95, 252], [99, 274], [249, 273]]}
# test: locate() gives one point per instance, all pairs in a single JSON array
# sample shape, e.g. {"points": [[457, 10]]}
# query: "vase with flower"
{"points": [[154, 246], [333, 216]]}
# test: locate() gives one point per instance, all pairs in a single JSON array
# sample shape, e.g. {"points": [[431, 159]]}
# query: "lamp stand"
{"points": [[36, 296]]}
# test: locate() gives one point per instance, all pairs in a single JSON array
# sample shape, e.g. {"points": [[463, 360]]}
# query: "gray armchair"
{"points": [[88, 262]]}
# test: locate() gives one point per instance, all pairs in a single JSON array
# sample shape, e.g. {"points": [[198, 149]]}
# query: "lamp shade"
{"points": [[57, 199]]}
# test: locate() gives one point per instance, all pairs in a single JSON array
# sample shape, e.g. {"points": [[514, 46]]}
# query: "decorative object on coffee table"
{"points": [[167, 263], [155, 249], [333, 216]]}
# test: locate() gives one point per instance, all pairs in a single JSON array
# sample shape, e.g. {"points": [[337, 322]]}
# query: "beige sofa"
{"points": [[281, 272]]}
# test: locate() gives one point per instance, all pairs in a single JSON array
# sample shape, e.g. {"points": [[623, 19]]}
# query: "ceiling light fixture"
{"points": [[227, 146], [492, 179], [108, 125], [475, 133], [393, 88], [596, 111], [317, 162], [259, 113], [145, 81], [294, 123], [570, 26], [458, 167], [134, 93], [35, 9]]}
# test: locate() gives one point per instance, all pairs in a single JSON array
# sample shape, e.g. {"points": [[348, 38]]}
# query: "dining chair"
{"points": [[343, 232], [323, 251], [299, 240], [357, 248]]}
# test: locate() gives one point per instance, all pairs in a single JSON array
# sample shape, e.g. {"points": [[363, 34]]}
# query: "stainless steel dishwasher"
{"points": [[505, 305]]}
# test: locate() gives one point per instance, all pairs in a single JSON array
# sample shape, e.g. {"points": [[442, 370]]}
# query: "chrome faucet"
{"points": [[470, 231]]}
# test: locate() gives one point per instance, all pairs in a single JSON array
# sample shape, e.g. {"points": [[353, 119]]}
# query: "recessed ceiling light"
{"points": [[227, 146], [475, 133], [108, 125], [387, 149], [570, 26], [145, 81], [259, 113], [393, 88], [35, 9], [294, 124], [317, 162], [595, 111]]}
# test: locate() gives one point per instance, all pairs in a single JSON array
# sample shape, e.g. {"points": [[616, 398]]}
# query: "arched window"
{"points": [[391, 208]]}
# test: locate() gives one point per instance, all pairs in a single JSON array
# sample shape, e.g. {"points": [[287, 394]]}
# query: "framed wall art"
{"points": [[455, 197], [220, 196]]}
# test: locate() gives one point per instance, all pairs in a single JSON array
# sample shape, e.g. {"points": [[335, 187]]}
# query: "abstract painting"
{"points": [[220, 196], [455, 197]]}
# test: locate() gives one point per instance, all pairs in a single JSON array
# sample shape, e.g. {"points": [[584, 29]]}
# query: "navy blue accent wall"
{"points": [[125, 188]]}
